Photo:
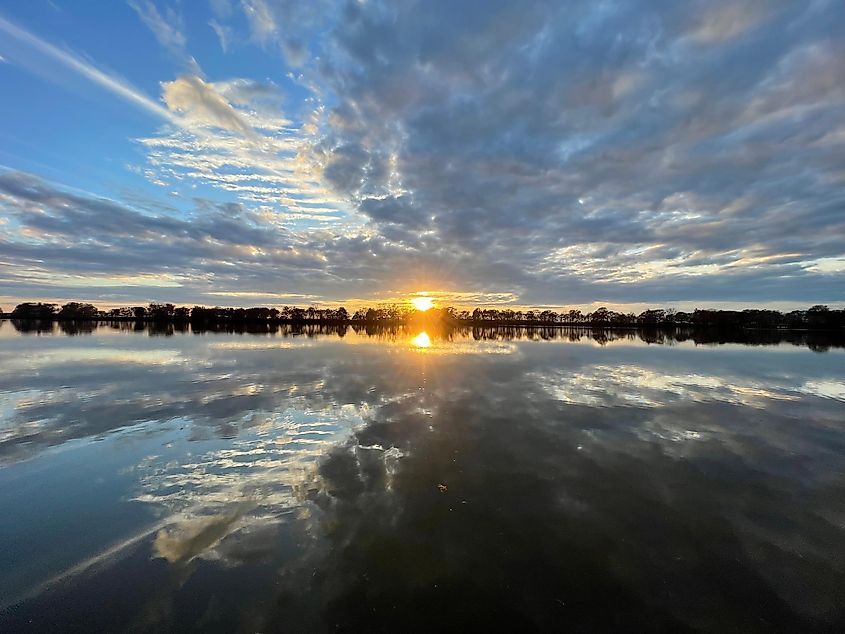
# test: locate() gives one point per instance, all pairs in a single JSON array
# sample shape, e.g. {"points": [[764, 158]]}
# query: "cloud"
{"points": [[198, 102], [60, 242], [224, 34], [188, 95], [246, 147], [168, 30], [630, 152], [55, 233], [726, 20], [25, 43], [595, 147], [262, 22], [288, 24]]}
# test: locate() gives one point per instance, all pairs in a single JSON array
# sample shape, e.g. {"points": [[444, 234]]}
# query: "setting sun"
{"points": [[422, 303]]}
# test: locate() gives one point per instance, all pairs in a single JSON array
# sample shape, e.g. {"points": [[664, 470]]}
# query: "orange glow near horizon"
{"points": [[422, 303]]}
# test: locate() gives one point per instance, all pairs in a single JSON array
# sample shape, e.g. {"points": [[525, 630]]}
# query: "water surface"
{"points": [[403, 481]]}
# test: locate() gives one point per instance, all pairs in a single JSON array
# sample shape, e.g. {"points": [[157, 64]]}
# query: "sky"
{"points": [[561, 154]]}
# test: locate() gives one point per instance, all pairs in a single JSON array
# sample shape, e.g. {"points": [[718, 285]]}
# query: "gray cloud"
{"points": [[651, 151], [686, 132], [67, 244]]}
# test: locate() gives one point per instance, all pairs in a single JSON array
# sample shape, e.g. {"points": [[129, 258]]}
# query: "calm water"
{"points": [[406, 481]]}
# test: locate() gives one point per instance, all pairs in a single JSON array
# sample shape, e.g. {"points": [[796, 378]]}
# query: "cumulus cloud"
{"points": [[199, 103]]}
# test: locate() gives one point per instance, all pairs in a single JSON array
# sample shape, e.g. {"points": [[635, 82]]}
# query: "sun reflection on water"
{"points": [[422, 340]]}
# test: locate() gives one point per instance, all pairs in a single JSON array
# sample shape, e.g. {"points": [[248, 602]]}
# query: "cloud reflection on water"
{"points": [[550, 454]]}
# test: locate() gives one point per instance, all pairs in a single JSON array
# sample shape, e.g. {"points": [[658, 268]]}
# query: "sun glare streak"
{"points": [[422, 303], [422, 340]]}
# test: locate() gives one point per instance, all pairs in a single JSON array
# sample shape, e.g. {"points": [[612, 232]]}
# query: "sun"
{"points": [[422, 303]]}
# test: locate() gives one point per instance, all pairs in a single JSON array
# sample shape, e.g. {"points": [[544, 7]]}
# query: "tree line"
{"points": [[816, 317]]}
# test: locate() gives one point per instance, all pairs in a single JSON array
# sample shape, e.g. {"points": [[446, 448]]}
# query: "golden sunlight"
{"points": [[422, 340], [422, 303]]}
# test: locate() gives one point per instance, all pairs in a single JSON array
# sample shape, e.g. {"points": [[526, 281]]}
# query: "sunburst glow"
{"points": [[422, 303]]}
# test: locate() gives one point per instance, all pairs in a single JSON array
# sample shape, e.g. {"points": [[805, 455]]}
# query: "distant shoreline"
{"points": [[815, 318]]}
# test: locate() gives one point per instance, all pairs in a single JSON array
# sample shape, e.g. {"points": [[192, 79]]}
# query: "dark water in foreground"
{"points": [[405, 482]]}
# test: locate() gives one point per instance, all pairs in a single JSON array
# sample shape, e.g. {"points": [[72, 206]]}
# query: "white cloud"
{"points": [[261, 19], [115, 85], [250, 150], [730, 19], [199, 103], [224, 34], [167, 29]]}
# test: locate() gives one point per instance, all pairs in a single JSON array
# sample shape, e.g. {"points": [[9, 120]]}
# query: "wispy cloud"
{"points": [[261, 19], [224, 34], [724, 21], [27, 43], [167, 30]]}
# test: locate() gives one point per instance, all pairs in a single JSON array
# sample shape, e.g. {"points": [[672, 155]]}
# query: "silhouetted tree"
{"points": [[600, 315], [161, 312], [77, 310], [652, 317], [34, 310]]}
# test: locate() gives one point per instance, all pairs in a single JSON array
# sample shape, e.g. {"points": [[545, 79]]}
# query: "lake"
{"points": [[400, 480]]}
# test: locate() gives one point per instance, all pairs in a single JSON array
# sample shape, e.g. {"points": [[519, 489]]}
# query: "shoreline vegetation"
{"points": [[817, 317]]}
